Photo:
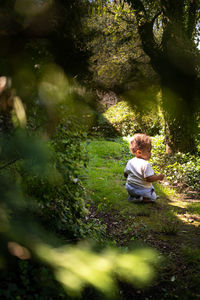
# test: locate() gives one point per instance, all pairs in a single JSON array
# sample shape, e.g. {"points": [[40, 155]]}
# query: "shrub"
{"points": [[127, 121], [59, 196], [103, 128], [41, 185], [179, 168]]}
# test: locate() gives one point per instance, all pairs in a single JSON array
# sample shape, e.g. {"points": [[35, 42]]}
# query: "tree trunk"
{"points": [[174, 60], [179, 110]]}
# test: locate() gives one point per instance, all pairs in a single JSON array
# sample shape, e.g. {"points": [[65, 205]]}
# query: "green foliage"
{"points": [[172, 55], [117, 57], [41, 194], [103, 128], [59, 194], [30, 280], [179, 168], [128, 121], [77, 266]]}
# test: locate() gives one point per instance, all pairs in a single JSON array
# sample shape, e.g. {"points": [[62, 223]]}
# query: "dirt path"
{"points": [[180, 275]]}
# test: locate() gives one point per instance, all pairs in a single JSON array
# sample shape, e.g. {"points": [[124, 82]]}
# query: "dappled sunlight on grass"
{"points": [[165, 191], [167, 225], [194, 208], [190, 221], [106, 184]]}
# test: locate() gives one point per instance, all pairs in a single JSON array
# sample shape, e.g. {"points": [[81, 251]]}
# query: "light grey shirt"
{"points": [[138, 169]]}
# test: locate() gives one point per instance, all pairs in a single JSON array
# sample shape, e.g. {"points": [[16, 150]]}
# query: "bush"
{"points": [[42, 203], [180, 169], [58, 196], [103, 128], [126, 121]]}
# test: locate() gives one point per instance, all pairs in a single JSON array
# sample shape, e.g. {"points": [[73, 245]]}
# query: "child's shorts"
{"points": [[147, 193]]}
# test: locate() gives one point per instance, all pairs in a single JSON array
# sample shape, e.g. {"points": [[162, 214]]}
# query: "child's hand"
{"points": [[161, 176], [154, 178]]}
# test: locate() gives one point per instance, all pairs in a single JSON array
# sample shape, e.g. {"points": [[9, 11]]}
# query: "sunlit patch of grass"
{"points": [[105, 173], [106, 184], [133, 222], [194, 208], [105, 149], [164, 190]]}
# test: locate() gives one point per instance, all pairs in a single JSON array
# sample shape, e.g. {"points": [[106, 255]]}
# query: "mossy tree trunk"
{"points": [[174, 58], [179, 113]]}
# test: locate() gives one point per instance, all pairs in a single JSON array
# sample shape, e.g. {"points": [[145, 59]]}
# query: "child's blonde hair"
{"points": [[139, 141]]}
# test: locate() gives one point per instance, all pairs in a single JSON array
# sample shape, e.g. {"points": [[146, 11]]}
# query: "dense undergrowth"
{"points": [[181, 169], [42, 203]]}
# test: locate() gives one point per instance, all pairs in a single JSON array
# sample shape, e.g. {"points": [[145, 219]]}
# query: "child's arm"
{"points": [[154, 178]]}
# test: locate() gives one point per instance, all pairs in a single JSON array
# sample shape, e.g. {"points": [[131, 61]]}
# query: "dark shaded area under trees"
{"points": [[58, 24]]}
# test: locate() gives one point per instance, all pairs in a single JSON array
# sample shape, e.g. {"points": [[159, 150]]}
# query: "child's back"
{"points": [[139, 172]]}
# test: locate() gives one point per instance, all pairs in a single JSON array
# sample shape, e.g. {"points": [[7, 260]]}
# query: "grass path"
{"points": [[171, 225]]}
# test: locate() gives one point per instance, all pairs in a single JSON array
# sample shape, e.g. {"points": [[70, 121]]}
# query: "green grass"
{"points": [[106, 183], [191, 255], [194, 208], [169, 224], [130, 223], [105, 173], [105, 149]]}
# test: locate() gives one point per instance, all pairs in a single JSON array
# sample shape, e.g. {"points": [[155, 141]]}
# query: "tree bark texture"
{"points": [[174, 60]]}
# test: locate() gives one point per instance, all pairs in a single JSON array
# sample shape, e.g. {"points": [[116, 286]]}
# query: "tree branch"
{"points": [[122, 18], [145, 29]]}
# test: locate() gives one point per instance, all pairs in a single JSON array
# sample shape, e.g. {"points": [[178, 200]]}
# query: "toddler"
{"points": [[139, 172]]}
